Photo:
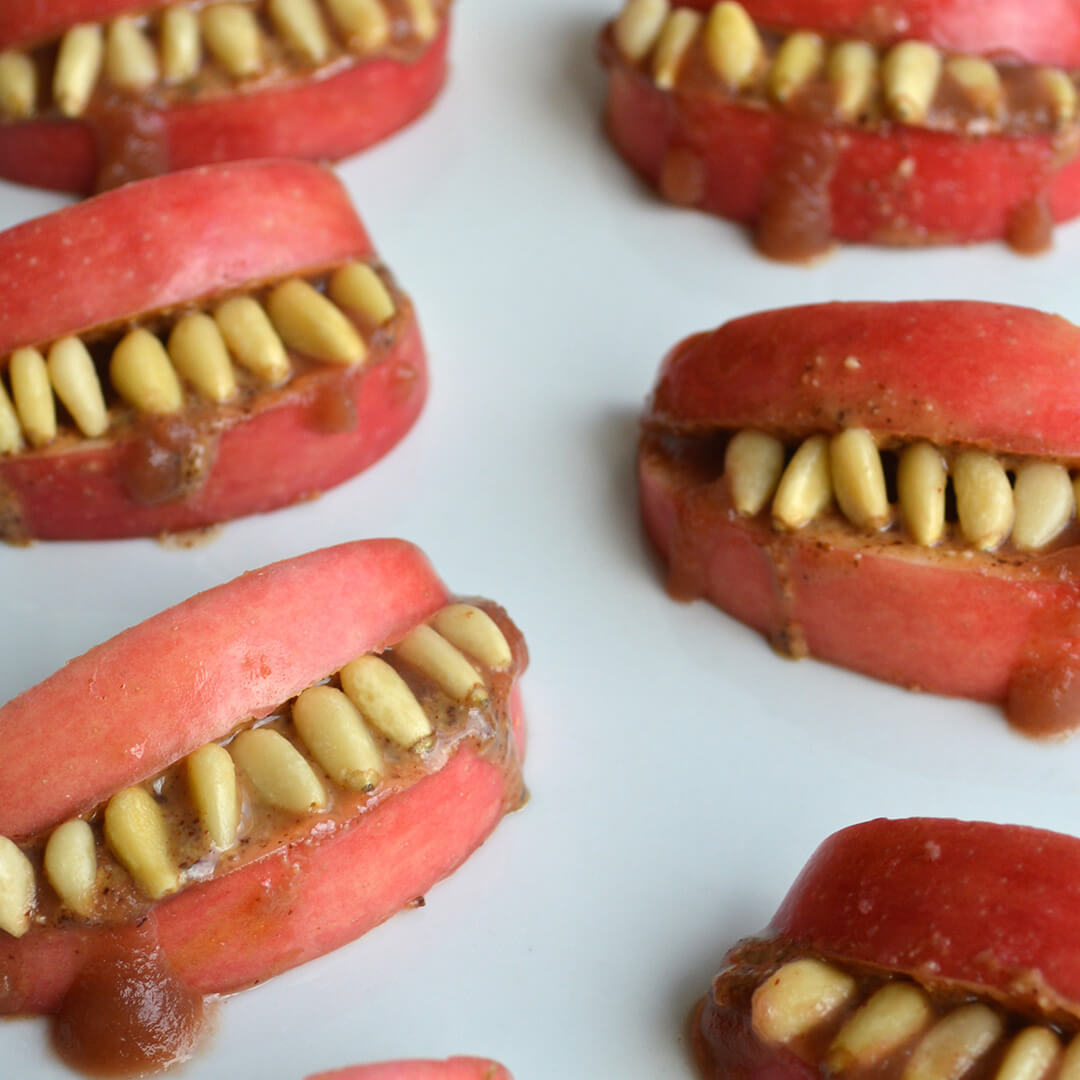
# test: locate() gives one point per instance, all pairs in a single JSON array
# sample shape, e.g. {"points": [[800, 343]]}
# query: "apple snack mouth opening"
{"points": [[335, 751], [185, 51]]}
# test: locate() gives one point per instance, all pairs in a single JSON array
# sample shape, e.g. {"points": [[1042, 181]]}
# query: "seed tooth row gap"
{"points": [[808, 997], [134, 53], [847, 469], [901, 83], [148, 371], [334, 726]]}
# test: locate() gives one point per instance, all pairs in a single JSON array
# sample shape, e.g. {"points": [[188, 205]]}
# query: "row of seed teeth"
{"points": [[903, 83], [133, 54], [898, 1019], [848, 469], [335, 726], [149, 373]]}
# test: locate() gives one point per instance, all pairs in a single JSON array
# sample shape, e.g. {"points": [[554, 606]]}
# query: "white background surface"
{"points": [[680, 772]]}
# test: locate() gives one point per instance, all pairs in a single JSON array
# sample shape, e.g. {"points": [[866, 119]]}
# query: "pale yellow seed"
{"points": [[475, 633], [954, 1044], [358, 289], [78, 68], [211, 779], [252, 339], [425, 22], [1060, 91], [429, 652], [77, 385], [910, 74], [805, 489], [858, 479], [798, 60], [33, 396], [1030, 1056], [17, 889], [1044, 501], [920, 481], [11, 438], [638, 27], [733, 45], [385, 700], [984, 499], [130, 60], [853, 72], [311, 324], [142, 374], [980, 82], [364, 24], [136, 833], [753, 465], [797, 998], [232, 35], [181, 44], [280, 774], [334, 731], [18, 85], [197, 349], [893, 1016], [300, 24], [676, 37], [71, 865], [1070, 1061]]}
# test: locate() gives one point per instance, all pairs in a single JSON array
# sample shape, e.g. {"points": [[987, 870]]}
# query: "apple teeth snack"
{"points": [[916, 949], [241, 783], [890, 487]]}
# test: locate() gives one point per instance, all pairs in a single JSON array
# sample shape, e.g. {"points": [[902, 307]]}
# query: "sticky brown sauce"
{"points": [[130, 139]]}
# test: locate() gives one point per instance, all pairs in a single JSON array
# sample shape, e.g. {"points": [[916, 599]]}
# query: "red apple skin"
{"points": [[900, 185], [201, 234], [322, 118], [133, 705], [458, 1068], [956, 374]]}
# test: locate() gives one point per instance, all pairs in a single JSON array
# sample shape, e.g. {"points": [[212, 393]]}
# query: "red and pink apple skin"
{"points": [[457, 1068]]}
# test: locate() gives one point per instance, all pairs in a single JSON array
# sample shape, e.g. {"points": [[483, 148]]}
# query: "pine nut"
{"points": [[1030, 1056], [1044, 501], [797, 998], [638, 27], [679, 31], [252, 339], [920, 481], [211, 779], [753, 464], [312, 325], [429, 652], [17, 889], [232, 35], [300, 24], [142, 374], [979, 80], [798, 60], [805, 489], [853, 67], [76, 382], [10, 432], [135, 831], [334, 731], [859, 479], [893, 1016], [181, 44], [278, 771], [475, 633], [18, 85], [78, 68], [424, 20], [1061, 95], [358, 289], [954, 1044], [1070, 1061], [385, 700], [198, 351], [71, 865], [364, 24], [984, 499], [910, 73], [33, 396], [732, 44], [130, 60]]}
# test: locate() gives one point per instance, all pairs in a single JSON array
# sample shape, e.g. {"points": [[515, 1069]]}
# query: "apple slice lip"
{"points": [[456, 1068]]}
